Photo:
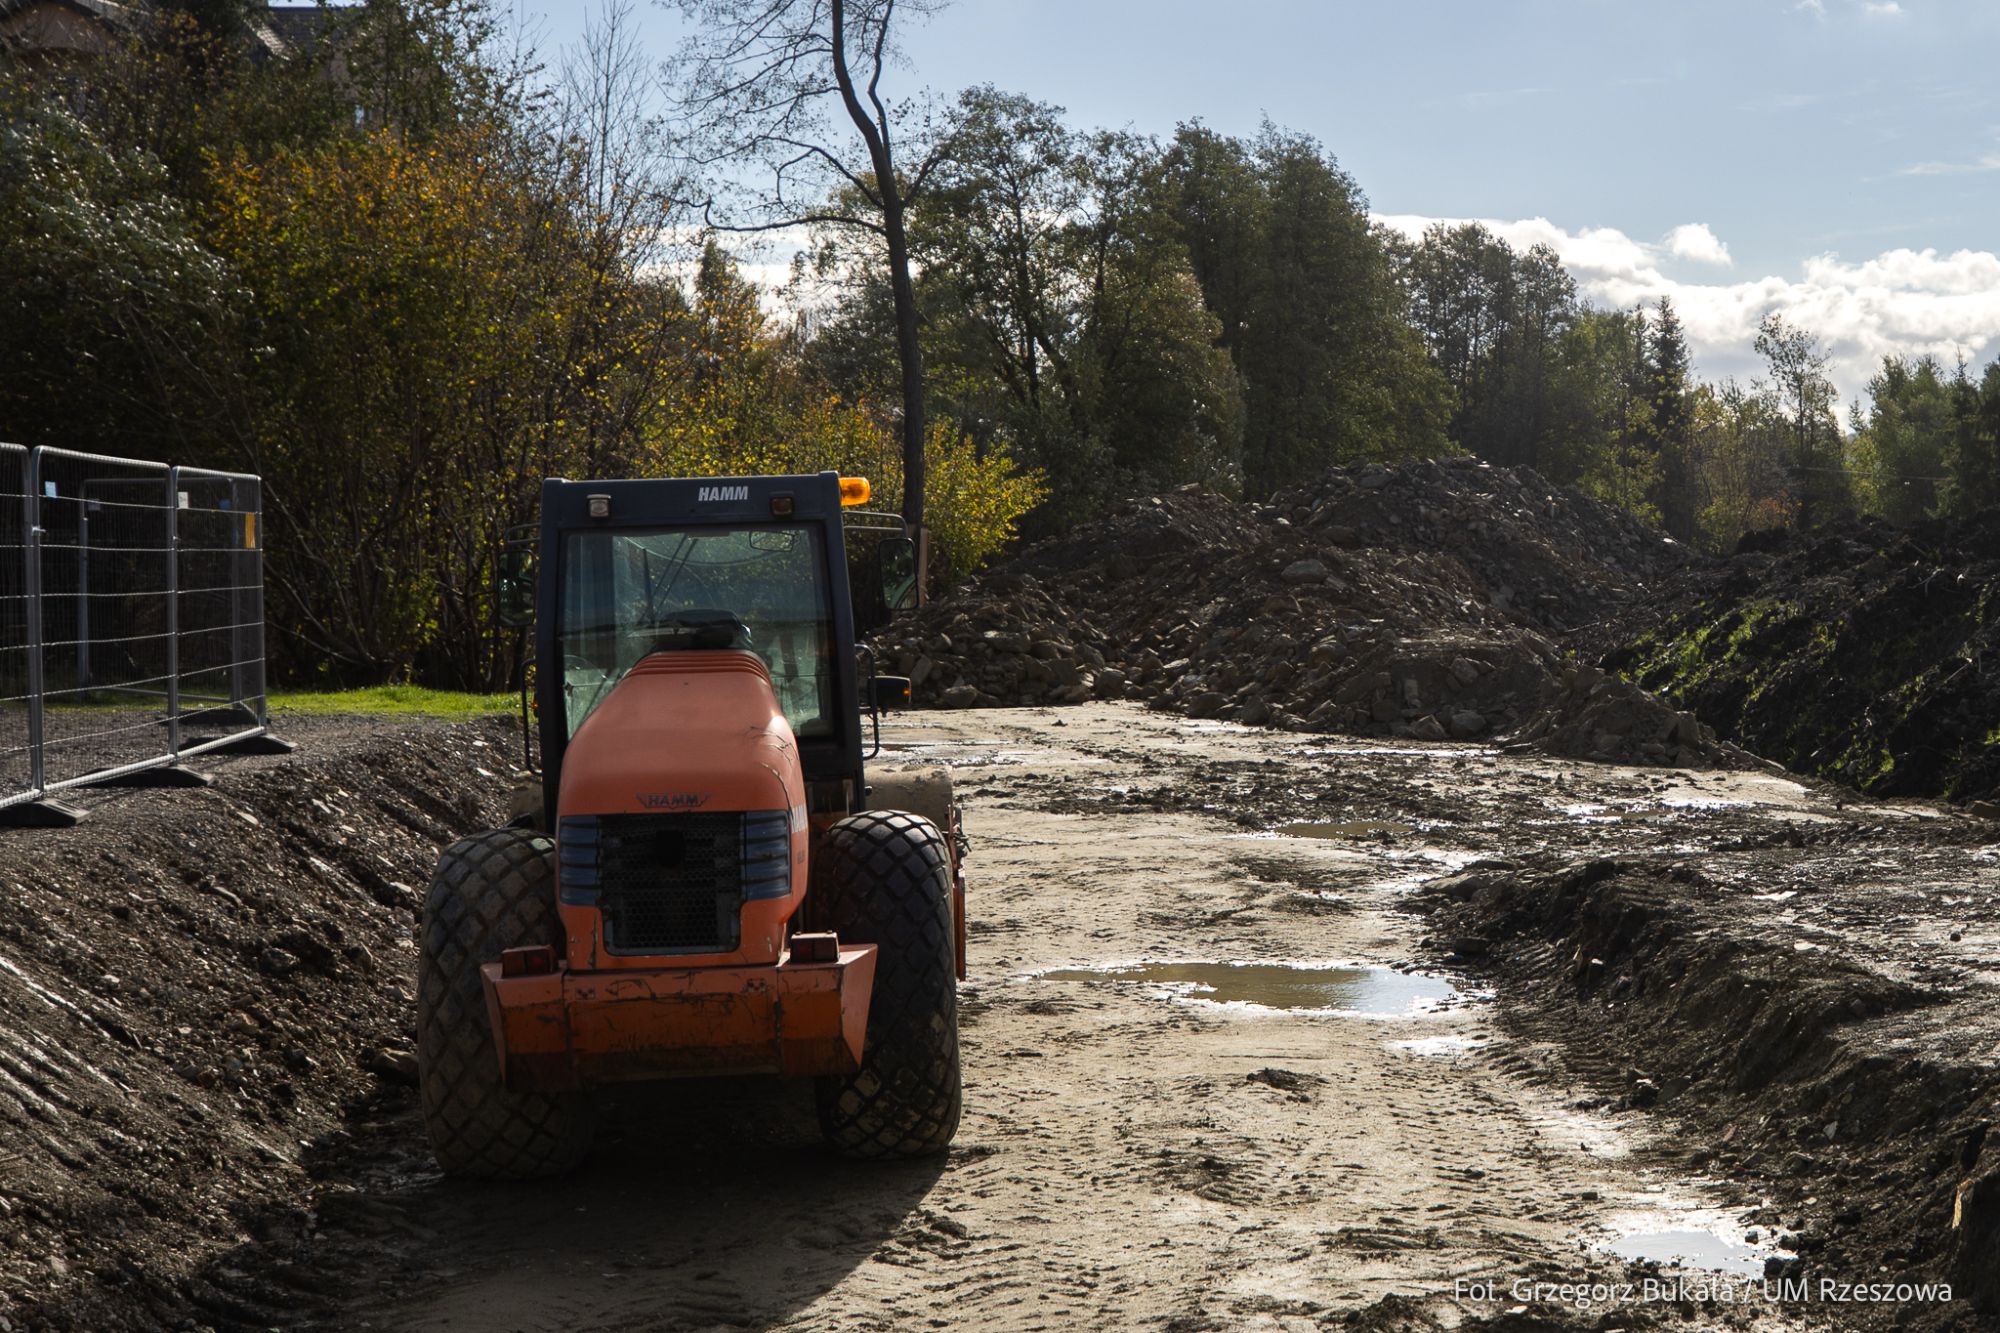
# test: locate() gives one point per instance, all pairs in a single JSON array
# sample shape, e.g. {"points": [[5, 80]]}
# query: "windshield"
{"points": [[627, 594]]}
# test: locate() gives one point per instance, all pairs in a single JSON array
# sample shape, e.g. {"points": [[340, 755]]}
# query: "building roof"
{"points": [[282, 30], [123, 15], [297, 27]]}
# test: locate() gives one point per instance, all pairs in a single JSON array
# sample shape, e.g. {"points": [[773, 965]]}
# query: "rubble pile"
{"points": [[1418, 601], [1005, 640]]}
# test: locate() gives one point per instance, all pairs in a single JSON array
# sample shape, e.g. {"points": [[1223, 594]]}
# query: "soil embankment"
{"points": [[1453, 600], [1862, 653], [197, 990], [1832, 1033]]}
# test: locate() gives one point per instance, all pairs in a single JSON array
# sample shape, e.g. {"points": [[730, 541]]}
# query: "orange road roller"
{"points": [[706, 879]]}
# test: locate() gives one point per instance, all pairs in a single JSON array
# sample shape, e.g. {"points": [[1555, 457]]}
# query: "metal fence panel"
{"points": [[220, 604], [106, 559], [131, 618], [17, 781]]}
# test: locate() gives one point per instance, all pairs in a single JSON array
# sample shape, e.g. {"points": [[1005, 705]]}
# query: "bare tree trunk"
{"points": [[911, 355], [875, 133]]}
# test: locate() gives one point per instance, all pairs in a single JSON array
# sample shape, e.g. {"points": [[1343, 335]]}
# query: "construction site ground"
{"points": [[1527, 1025]]}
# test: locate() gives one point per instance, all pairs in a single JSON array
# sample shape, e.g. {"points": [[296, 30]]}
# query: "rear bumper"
{"points": [[561, 1029]]}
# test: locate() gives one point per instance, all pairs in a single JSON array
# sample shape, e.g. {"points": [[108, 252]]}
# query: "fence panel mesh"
{"points": [[221, 604], [106, 567], [16, 760]]}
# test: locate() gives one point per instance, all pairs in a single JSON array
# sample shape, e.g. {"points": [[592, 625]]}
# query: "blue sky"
{"points": [[1838, 160]]}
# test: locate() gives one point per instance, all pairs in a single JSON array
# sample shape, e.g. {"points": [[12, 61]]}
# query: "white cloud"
{"points": [[1988, 161], [1884, 9], [1693, 240], [1907, 302], [1816, 8]]}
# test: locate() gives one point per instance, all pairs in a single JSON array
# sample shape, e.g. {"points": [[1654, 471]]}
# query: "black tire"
{"points": [[492, 891], [884, 878]]}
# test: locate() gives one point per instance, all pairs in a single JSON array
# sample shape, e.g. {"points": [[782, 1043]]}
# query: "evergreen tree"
{"points": [[1211, 189], [1972, 459], [1306, 296], [1671, 421], [1899, 446]]}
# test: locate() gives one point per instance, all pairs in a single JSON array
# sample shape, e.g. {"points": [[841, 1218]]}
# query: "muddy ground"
{"points": [[1627, 1012]]}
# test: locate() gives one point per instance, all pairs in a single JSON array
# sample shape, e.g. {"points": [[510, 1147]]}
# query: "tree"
{"points": [[1163, 398], [1309, 308], [1671, 420], [1460, 283], [1002, 243], [748, 404], [757, 86], [1739, 464], [1538, 311], [1900, 445], [117, 322], [1212, 189], [1059, 314], [1972, 455], [1805, 399], [1600, 435], [1501, 327]]}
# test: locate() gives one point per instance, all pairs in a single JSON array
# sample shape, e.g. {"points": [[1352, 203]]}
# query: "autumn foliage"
{"points": [[403, 311]]}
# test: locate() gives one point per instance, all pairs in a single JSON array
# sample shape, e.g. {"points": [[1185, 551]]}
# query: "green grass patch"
{"points": [[394, 701]]}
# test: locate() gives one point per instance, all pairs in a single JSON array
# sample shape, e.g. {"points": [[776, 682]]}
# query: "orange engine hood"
{"points": [[685, 731]]}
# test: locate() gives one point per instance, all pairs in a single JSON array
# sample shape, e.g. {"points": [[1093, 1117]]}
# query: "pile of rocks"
{"points": [[1415, 602], [1595, 716], [1003, 642]]}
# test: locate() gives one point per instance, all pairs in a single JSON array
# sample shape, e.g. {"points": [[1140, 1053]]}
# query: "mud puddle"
{"points": [[1374, 992]]}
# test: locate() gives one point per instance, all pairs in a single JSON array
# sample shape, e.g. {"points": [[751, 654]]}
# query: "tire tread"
{"points": [[492, 891], [886, 880]]}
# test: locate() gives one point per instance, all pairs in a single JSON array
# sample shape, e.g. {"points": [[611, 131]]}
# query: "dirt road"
{"points": [[1165, 1152]]}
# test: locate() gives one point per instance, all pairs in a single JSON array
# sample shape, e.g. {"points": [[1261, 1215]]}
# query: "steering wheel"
{"points": [[701, 628]]}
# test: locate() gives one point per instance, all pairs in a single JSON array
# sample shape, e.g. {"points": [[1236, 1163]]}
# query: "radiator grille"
{"points": [[674, 883], [670, 882]]}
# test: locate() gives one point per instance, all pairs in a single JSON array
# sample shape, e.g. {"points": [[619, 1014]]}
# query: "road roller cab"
{"points": [[709, 882]]}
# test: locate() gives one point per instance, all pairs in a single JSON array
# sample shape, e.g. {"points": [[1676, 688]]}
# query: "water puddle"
{"points": [[1687, 1248], [1364, 991], [1440, 1047], [1355, 828]]}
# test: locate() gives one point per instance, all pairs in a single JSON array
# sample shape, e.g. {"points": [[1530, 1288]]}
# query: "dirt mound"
{"points": [[1863, 653], [1858, 1101], [195, 987], [1418, 601]]}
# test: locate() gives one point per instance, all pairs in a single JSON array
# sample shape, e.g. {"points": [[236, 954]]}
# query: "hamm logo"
{"points": [[673, 800], [709, 493]]}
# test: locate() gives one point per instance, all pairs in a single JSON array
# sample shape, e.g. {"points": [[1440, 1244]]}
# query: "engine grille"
{"points": [[670, 882]]}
